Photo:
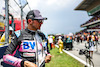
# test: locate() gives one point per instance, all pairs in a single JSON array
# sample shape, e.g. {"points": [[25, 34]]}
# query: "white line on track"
{"points": [[77, 58]]}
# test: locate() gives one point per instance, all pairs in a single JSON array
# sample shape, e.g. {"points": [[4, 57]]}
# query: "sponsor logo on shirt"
{"points": [[29, 54], [10, 61], [28, 45]]}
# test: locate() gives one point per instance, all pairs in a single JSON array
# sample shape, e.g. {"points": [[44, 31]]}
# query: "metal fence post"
{"points": [[6, 21], [21, 18]]}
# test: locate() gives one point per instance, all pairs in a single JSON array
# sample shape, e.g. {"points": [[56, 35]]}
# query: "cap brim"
{"points": [[41, 18]]}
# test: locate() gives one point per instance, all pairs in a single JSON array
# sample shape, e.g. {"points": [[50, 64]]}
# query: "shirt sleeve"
{"points": [[8, 55]]}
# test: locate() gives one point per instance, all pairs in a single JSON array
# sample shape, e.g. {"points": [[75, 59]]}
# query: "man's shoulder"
{"points": [[42, 35], [40, 32], [20, 32]]}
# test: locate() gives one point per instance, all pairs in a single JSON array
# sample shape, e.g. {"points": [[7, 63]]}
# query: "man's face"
{"points": [[36, 24]]}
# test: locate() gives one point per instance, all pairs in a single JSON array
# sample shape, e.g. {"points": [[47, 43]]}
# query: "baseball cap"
{"points": [[10, 28], [35, 14], [60, 37]]}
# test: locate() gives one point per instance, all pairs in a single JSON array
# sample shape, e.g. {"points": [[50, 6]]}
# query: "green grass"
{"points": [[62, 60]]}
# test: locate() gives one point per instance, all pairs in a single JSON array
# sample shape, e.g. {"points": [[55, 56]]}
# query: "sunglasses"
{"points": [[40, 21]]}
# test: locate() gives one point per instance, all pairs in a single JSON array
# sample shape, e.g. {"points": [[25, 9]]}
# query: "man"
{"points": [[33, 52], [50, 39], [10, 35], [60, 43], [90, 40]]}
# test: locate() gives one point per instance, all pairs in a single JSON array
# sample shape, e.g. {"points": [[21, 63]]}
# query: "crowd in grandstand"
{"points": [[95, 18]]}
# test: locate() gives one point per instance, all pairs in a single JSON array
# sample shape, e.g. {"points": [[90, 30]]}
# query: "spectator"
{"points": [[90, 40], [50, 39], [60, 43], [10, 35]]}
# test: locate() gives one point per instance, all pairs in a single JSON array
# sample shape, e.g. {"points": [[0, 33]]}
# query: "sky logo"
{"points": [[28, 45]]}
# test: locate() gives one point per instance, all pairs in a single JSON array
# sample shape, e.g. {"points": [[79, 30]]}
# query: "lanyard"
{"points": [[37, 62], [38, 40]]}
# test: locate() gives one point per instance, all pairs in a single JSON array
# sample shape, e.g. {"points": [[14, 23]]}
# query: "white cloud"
{"points": [[33, 3], [44, 5], [58, 3], [14, 8], [54, 4]]}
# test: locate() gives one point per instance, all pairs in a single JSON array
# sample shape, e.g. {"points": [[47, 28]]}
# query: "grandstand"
{"points": [[92, 7]]}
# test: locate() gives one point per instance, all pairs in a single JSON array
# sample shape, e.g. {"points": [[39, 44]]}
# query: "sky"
{"points": [[62, 18]]}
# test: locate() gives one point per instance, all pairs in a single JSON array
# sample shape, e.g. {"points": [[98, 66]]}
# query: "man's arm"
{"points": [[10, 59], [8, 55], [48, 55]]}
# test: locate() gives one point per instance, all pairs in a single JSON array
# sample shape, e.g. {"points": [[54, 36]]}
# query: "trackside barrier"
{"points": [[2, 50]]}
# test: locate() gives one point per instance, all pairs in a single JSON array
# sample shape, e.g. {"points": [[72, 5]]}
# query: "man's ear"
{"points": [[30, 21]]}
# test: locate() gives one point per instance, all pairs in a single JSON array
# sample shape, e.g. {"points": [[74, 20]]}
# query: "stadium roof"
{"points": [[84, 4]]}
